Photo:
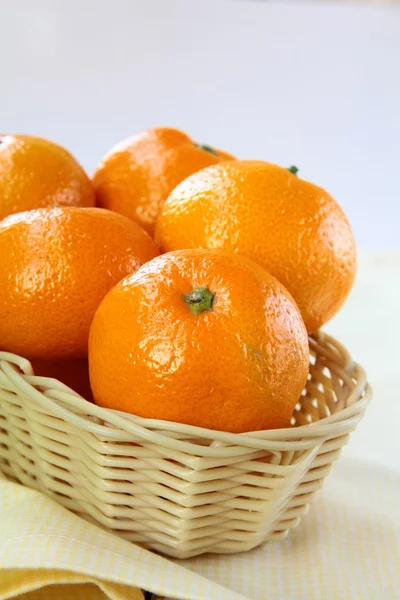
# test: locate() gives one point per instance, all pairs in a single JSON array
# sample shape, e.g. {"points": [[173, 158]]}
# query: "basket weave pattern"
{"points": [[178, 489]]}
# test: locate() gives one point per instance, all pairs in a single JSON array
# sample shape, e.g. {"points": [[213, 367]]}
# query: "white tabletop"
{"points": [[369, 326]]}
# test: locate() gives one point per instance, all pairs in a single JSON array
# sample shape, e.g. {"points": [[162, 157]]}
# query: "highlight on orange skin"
{"points": [[201, 337], [64, 261], [37, 173], [137, 175], [291, 227]]}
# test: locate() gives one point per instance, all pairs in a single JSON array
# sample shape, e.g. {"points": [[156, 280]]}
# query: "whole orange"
{"points": [[201, 337], [55, 267], [36, 173], [293, 228], [73, 372], [137, 175]]}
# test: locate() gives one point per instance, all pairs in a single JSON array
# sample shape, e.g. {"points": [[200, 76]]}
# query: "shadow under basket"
{"points": [[178, 489]]}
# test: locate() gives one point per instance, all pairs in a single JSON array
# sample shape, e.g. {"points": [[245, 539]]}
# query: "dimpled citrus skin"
{"points": [[240, 366], [137, 175], [291, 227], [36, 173], [56, 265]]}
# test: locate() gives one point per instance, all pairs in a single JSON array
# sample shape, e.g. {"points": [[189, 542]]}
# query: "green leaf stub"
{"points": [[207, 148], [199, 300]]}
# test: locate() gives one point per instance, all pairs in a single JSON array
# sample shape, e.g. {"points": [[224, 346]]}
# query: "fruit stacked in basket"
{"points": [[162, 368]]}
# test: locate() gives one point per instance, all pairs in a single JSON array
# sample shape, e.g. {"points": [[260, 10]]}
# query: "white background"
{"points": [[315, 84]]}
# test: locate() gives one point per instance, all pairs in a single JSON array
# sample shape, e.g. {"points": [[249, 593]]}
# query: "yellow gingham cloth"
{"points": [[348, 547]]}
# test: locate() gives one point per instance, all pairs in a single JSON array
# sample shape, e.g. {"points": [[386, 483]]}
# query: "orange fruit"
{"points": [[291, 227], [73, 372], [222, 154], [36, 173], [201, 337], [56, 265], [137, 175]]}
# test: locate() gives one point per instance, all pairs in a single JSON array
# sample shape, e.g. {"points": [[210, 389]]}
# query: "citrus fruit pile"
{"points": [[180, 283]]}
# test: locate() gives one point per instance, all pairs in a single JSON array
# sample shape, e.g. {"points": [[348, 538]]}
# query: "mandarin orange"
{"points": [[37, 173], [56, 265], [72, 372], [291, 227], [201, 337], [137, 175]]}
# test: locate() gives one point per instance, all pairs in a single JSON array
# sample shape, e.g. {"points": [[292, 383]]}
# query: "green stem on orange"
{"points": [[207, 148], [199, 300], [294, 170]]}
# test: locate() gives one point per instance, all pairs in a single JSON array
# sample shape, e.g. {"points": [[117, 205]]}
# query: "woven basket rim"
{"points": [[62, 402]]}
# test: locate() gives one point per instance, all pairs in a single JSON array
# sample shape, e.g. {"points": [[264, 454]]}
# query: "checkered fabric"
{"points": [[347, 547]]}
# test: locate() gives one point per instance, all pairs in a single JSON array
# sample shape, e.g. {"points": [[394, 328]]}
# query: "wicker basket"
{"points": [[177, 489]]}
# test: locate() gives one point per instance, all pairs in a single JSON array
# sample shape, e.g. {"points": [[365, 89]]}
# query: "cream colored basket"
{"points": [[177, 489]]}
